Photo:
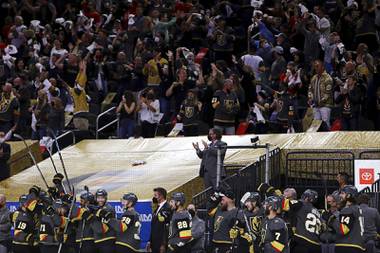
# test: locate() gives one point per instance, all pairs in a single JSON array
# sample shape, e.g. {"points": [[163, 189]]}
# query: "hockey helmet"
{"points": [[131, 197], [179, 197], [310, 195], [251, 196]]}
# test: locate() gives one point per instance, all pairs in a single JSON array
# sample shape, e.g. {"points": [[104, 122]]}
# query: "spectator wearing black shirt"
{"points": [[226, 105], [350, 104], [56, 116], [189, 114], [178, 90], [9, 109], [127, 109], [41, 112], [24, 92]]}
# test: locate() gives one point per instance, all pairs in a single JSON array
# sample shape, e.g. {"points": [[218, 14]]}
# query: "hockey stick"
{"points": [[55, 168], [33, 159], [52, 161], [68, 221], [71, 187]]}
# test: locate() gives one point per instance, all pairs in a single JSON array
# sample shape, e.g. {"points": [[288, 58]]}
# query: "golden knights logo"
{"points": [[255, 223], [221, 40], [229, 105], [217, 223], [189, 111]]}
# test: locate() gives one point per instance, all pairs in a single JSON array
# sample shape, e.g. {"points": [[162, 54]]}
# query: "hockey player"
{"points": [[84, 216], [222, 208], [128, 228], [24, 225], [180, 225], [350, 224], [252, 216], [51, 224], [274, 235], [307, 221], [104, 236]]}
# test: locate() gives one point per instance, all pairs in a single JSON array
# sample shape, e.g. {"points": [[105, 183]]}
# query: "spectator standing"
{"points": [[9, 109], [349, 99], [308, 28], [56, 116], [189, 114], [149, 111], [5, 226], [209, 156], [5, 154], [40, 112], [151, 69], [226, 105], [127, 109], [321, 93]]}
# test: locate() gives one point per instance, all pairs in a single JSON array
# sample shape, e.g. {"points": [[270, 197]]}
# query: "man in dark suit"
{"points": [[209, 157], [160, 221], [5, 154]]}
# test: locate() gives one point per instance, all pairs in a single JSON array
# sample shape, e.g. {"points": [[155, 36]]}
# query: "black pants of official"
{"points": [[48, 249], [22, 248], [347, 250], [123, 249], [87, 247], [222, 248], [105, 247]]}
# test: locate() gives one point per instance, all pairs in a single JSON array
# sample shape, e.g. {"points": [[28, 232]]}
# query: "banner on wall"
{"points": [[366, 173], [144, 208]]}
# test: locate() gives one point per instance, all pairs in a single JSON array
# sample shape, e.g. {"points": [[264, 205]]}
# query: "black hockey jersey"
{"points": [[127, 230], [180, 229], [274, 237], [350, 228]]}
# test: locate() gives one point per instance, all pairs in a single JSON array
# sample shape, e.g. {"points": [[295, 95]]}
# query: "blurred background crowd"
{"points": [[240, 66]]}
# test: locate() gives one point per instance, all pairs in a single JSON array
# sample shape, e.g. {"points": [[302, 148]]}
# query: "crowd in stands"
{"points": [[241, 66]]}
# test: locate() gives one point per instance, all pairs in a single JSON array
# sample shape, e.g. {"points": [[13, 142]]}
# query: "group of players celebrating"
{"points": [[267, 221], [280, 223], [50, 222]]}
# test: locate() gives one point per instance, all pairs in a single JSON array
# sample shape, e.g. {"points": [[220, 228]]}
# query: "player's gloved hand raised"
{"points": [[50, 210], [215, 197], [35, 190]]}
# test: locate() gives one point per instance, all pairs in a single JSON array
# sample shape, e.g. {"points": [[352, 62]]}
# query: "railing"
{"points": [[374, 194], [67, 133], [98, 130], [245, 179], [306, 169], [370, 154]]}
